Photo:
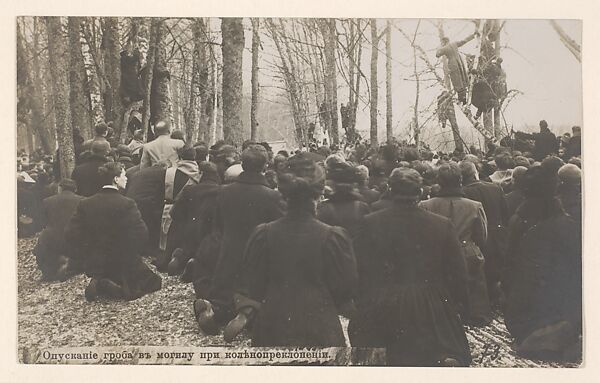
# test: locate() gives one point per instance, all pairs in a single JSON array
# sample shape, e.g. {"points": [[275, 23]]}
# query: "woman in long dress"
{"points": [[299, 272]]}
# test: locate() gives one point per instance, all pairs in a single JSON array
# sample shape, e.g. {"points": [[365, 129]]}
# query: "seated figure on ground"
{"points": [[108, 234]]}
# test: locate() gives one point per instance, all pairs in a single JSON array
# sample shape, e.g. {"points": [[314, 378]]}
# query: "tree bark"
{"points": [[254, 80], [148, 77], [388, 82], [79, 98], [59, 57], [329, 33], [232, 30], [374, 86], [161, 106], [112, 63], [497, 109]]}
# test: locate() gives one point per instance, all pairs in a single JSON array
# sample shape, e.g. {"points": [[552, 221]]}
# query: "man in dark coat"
{"points": [[491, 197], [108, 233], [412, 282], [147, 189], [243, 204], [569, 190], [52, 253], [545, 142], [101, 131], [195, 211], [86, 175], [515, 198], [574, 145]]}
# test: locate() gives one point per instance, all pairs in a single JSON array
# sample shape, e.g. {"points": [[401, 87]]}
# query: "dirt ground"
{"points": [[57, 315]]}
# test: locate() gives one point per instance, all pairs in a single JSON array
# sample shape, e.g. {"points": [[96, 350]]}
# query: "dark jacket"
{"points": [[574, 147], [492, 198], [546, 281], [345, 210], [545, 144], [58, 211], [108, 232], [147, 189], [412, 285], [514, 199], [86, 176], [297, 273], [243, 204]]}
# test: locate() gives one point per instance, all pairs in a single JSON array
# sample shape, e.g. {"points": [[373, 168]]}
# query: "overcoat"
{"points": [[297, 273], [242, 205], [344, 210], [108, 232], [412, 288], [57, 210], [470, 222]]}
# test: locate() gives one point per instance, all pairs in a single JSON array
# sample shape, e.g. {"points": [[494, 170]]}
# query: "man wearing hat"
{"points": [[163, 148], [85, 175]]}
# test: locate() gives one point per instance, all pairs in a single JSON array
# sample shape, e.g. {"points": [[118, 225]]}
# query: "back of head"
{"points": [[209, 171], [100, 148], [539, 183], [101, 129], [405, 184], [186, 153], [504, 161], [302, 179], [364, 172], [522, 161], [201, 151], [450, 175], [67, 184], [543, 125], [254, 158], [178, 135], [108, 171], [343, 173], [517, 175], [468, 170], [570, 174], [552, 163], [576, 130], [162, 128]]}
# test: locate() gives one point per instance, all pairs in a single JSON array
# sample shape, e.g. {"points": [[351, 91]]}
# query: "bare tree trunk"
{"points": [[233, 48], [148, 77], [28, 68], [191, 112], [79, 99], [203, 82], [416, 127], [160, 98], [567, 41], [328, 30], [59, 57], [388, 82], [374, 85], [498, 108], [254, 79], [112, 63]]}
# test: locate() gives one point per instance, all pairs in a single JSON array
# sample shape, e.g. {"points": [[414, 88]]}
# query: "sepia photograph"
{"points": [[299, 191]]}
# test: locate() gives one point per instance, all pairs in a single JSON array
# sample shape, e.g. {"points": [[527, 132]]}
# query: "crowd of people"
{"points": [[411, 246]]}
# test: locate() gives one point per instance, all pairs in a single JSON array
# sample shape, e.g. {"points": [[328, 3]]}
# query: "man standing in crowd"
{"points": [[100, 130], [545, 142], [163, 148]]}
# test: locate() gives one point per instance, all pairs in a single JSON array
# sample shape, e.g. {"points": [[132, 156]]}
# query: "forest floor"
{"points": [[57, 315]]}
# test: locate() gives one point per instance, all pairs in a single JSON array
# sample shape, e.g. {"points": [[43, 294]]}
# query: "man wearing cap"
{"points": [[163, 148], [569, 190], [574, 145], [51, 251], [85, 175]]}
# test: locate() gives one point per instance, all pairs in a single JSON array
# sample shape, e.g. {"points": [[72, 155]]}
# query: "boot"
{"points": [[91, 291], [205, 317], [188, 272]]}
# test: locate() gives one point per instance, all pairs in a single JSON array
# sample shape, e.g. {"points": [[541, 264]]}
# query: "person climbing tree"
{"points": [[458, 72]]}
